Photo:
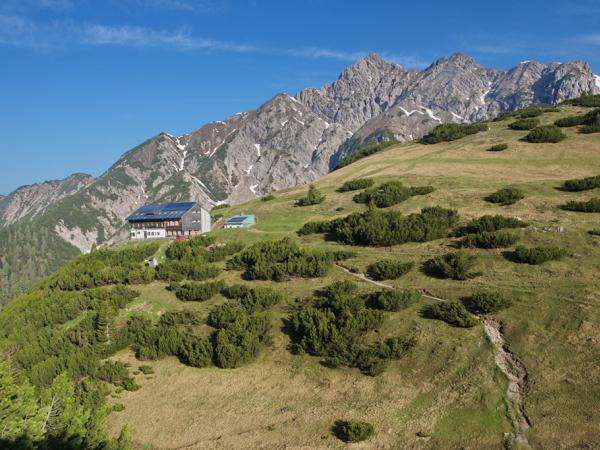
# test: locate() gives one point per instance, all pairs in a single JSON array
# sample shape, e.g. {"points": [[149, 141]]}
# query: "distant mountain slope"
{"points": [[32, 200], [288, 140]]}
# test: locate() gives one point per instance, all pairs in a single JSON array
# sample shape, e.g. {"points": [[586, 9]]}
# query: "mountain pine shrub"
{"points": [[455, 265], [498, 147], [196, 292], [356, 184], [393, 299], [591, 205], [590, 101], [313, 197], [545, 134], [389, 269], [452, 131], [486, 302], [278, 260], [390, 193], [538, 255], [452, 312], [353, 431], [581, 184], [506, 196], [524, 124], [490, 239], [489, 223]]}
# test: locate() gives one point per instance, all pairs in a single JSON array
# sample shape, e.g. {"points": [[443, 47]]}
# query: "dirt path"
{"points": [[508, 363], [517, 379]]}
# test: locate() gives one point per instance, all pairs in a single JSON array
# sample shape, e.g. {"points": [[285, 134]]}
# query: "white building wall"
{"points": [[147, 233], [205, 221]]}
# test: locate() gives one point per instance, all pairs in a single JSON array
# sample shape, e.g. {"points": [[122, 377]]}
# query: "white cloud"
{"points": [[20, 31], [144, 37]]}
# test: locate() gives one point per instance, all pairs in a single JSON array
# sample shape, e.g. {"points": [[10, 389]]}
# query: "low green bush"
{"points": [[221, 206], [268, 198], [538, 255], [353, 431], [591, 205], [356, 184], [183, 317], [253, 299], [506, 196], [490, 239], [498, 148], [393, 299], [279, 260], [486, 302], [455, 265], [581, 184], [389, 269], [530, 111], [590, 101], [390, 193], [225, 314], [589, 129], [196, 292], [490, 223], [524, 124], [590, 120], [545, 133], [452, 312], [260, 298], [334, 325], [452, 131], [594, 232], [313, 197]]}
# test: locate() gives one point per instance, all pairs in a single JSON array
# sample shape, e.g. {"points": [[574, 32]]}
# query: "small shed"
{"points": [[240, 221]]}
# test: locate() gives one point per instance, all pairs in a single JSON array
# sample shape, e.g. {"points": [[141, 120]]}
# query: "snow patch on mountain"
{"points": [[410, 113], [430, 114]]}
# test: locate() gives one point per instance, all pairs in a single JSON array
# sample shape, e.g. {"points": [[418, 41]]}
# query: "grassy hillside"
{"points": [[447, 391]]}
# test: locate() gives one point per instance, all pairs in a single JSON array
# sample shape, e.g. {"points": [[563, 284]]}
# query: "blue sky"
{"points": [[82, 81]]}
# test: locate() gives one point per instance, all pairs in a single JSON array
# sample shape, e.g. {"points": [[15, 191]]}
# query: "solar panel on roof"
{"points": [[165, 211]]}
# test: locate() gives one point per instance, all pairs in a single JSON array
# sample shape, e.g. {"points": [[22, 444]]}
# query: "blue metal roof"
{"points": [[167, 211], [237, 220]]}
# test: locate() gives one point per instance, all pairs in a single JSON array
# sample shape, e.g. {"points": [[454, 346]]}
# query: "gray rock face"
{"points": [[294, 140], [460, 90], [32, 200]]}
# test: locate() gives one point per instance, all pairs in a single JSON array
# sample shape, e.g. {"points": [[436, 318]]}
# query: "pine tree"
{"points": [[20, 415], [64, 417], [104, 325]]}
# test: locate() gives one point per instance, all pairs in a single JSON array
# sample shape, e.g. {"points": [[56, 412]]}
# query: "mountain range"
{"points": [[289, 140]]}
